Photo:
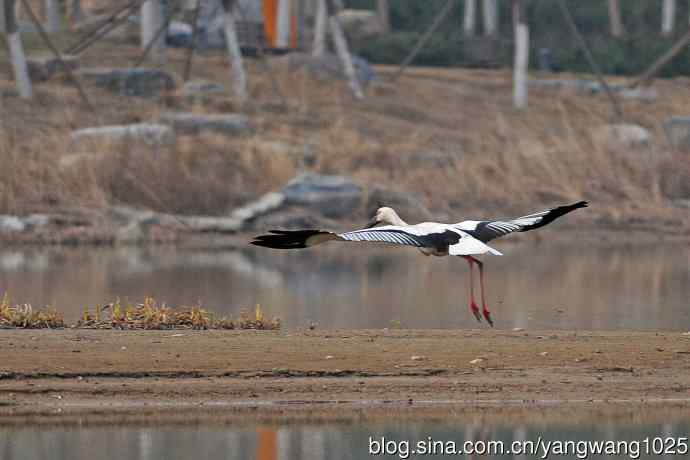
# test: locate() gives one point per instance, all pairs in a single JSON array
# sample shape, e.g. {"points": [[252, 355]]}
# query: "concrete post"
{"points": [[470, 17], [151, 21]]}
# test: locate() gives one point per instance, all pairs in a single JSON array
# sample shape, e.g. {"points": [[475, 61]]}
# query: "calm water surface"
{"points": [[581, 286], [304, 441]]}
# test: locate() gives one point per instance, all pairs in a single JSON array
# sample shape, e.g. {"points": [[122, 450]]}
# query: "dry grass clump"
{"points": [[25, 317], [153, 315]]}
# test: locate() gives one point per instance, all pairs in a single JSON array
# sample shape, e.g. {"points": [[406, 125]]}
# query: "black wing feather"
{"points": [[490, 229], [286, 239]]}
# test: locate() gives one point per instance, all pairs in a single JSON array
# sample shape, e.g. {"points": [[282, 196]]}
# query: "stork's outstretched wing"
{"points": [[487, 230], [437, 236]]}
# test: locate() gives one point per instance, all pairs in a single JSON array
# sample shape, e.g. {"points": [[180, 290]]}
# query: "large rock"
{"points": [[202, 89], [332, 196], [361, 23], [42, 68], [11, 224], [130, 82], [327, 66], [678, 131], [621, 135], [133, 221], [408, 206], [17, 224], [641, 93], [195, 123], [208, 224], [147, 133], [180, 35], [267, 203]]}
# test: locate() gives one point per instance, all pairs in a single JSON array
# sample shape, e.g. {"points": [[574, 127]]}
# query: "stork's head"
{"points": [[386, 216]]}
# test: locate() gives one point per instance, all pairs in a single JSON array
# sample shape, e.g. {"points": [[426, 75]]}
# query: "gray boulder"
{"points": [[207, 224], [361, 23], [17, 224], [678, 131], [147, 133], [195, 123], [621, 135], [146, 83], [328, 66], [267, 203], [642, 93], [43, 68], [179, 35], [201, 89], [134, 222], [11, 224], [331, 196]]}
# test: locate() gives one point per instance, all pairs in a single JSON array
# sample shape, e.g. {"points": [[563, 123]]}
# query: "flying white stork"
{"points": [[465, 239]]}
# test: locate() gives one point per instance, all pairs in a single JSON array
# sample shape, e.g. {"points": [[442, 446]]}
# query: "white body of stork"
{"points": [[465, 239]]}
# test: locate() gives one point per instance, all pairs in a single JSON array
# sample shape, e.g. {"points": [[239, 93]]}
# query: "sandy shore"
{"points": [[370, 372]]}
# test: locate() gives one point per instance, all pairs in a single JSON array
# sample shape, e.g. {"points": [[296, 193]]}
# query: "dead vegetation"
{"points": [[149, 315], [450, 136], [25, 317], [153, 315]]}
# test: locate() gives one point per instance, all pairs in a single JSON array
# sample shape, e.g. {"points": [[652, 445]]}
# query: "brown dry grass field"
{"points": [[497, 160]]}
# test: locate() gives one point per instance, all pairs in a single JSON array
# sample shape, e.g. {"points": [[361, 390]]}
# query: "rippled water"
{"points": [[311, 442], [581, 286]]}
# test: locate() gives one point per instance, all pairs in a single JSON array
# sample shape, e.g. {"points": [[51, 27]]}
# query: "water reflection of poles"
{"points": [[520, 434], [267, 444], [313, 443], [145, 444], [284, 444], [667, 433]]}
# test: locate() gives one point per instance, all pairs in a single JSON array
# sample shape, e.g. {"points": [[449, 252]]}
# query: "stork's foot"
{"points": [[475, 311], [487, 316]]}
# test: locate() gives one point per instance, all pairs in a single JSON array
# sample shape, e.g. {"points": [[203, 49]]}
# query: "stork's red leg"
{"points": [[485, 310], [473, 305]]}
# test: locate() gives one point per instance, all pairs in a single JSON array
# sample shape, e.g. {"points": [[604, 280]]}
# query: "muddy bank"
{"points": [[356, 371]]}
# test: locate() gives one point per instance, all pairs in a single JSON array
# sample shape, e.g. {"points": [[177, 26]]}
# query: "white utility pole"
{"points": [[53, 17], [151, 22], [521, 57], [469, 17], [2, 16], [342, 50], [14, 42], [490, 18], [283, 28], [320, 29], [383, 12], [615, 21], [239, 78], [668, 16]]}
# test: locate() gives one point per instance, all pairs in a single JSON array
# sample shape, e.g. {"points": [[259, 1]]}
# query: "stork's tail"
{"points": [[293, 239]]}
